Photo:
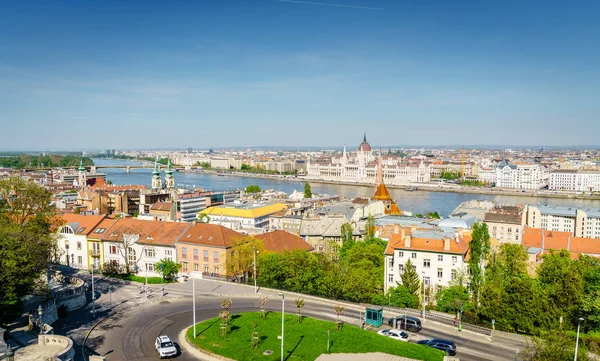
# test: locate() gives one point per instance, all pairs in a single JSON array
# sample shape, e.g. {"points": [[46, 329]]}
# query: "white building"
{"points": [[361, 166], [521, 176], [574, 181], [583, 223], [505, 223], [72, 241], [438, 257], [142, 244], [190, 204], [242, 215], [487, 175]]}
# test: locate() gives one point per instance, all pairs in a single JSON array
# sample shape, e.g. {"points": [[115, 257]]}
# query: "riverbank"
{"points": [[418, 187]]}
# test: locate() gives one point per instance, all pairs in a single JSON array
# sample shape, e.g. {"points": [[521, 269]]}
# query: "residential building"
{"points": [[555, 240], [94, 242], [324, 233], [438, 257], [203, 249], [288, 223], [574, 181], [282, 241], [242, 215], [505, 223], [142, 244], [72, 241], [521, 176], [487, 175], [190, 204], [579, 222]]}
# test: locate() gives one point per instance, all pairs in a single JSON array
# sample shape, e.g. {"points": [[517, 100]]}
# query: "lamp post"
{"points": [[423, 273], [194, 302], [282, 320], [577, 342], [93, 294], [255, 252]]}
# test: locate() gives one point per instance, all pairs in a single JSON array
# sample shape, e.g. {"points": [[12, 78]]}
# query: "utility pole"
{"points": [[93, 294], [255, 252], [194, 302]]}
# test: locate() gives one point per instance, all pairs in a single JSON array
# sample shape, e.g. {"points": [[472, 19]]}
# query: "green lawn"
{"points": [[303, 341]]}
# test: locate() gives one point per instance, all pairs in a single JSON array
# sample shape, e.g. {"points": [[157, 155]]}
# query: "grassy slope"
{"points": [[305, 341]]}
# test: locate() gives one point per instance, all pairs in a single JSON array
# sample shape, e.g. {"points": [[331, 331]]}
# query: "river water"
{"points": [[415, 201]]}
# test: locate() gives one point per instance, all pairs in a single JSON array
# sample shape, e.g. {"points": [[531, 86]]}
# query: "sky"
{"points": [[154, 74]]}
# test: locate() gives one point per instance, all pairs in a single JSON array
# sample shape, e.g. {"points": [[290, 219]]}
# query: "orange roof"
{"points": [[535, 237], [162, 206], [282, 241], [151, 232], [85, 224], [382, 193], [429, 245], [102, 228], [211, 235]]}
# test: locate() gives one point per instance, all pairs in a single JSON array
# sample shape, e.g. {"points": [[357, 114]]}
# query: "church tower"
{"points": [[169, 179], [382, 193], [82, 178], [156, 181]]}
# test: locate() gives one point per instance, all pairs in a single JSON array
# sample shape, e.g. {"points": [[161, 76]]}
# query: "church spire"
{"points": [[379, 172], [81, 167], [169, 180], [156, 172], [365, 137], [156, 181]]}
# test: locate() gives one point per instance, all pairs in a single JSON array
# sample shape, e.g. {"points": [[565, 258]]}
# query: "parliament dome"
{"points": [[364, 146]]}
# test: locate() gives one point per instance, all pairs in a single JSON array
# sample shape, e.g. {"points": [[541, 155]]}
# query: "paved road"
{"points": [[130, 334]]}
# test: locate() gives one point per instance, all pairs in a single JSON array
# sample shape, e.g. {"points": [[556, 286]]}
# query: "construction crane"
{"points": [[463, 165]]}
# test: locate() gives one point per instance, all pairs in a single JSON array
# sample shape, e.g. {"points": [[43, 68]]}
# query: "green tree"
{"points": [[479, 248], [370, 228], [27, 238], [434, 215], [245, 167], [240, 260], [347, 235], [452, 299], [553, 346], [253, 188], [307, 191], [167, 268], [398, 296], [410, 278]]}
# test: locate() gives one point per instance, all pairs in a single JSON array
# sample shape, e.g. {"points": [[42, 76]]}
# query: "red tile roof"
{"points": [[211, 235], [535, 237], [102, 227], [429, 245], [281, 241], [85, 224], [150, 232]]}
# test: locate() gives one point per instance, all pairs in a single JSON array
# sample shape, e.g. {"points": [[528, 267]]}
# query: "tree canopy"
{"points": [[307, 190], [253, 188]]}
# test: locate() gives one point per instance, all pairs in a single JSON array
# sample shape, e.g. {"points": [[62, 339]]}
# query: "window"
{"points": [[426, 263], [184, 267], [391, 262], [216, 257], [440, 258], [401, 254], [79, 260], [509, 230], [79, 246], [440, 273], [400, 268], [390, 278], [426, 281], [150, 267], [206, 268], [195, 254], [112, 249], [196, 267], [66, 230], [205, 255], [150, 252], [183, 252], [217, 270], [454, 259], [168, 252], [131, 255], [413, 255], [453, 274]]}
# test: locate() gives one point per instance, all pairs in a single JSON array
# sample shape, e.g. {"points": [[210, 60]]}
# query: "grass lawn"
{"points": [[303, 341]]}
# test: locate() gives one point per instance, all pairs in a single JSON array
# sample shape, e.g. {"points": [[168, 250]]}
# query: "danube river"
{"points": [[414, 201]]}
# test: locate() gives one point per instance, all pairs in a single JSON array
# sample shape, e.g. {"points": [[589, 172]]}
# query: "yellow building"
{"points": [[95, 249], [242, 215]]}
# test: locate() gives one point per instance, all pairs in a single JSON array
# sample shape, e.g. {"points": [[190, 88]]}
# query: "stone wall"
{"points": [[73, 297], [67, 354]]}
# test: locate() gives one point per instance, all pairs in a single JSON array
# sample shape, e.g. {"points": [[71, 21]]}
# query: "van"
{"points": [[408, 323]]}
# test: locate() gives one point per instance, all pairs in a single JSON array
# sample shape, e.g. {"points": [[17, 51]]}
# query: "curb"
{"points": [[195, 351]]}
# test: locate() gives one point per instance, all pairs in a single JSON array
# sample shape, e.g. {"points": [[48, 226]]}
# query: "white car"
{"points": [[165, 347], [395, 334]]}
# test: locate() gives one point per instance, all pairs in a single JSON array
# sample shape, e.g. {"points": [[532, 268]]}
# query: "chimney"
{"points": [[396, 229], [413, 228], [407, 241], [446, 243], [402, 233]]}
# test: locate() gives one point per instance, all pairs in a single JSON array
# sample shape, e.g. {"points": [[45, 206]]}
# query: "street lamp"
{"points": [[423, 273], [194, 302], [93, 293], [255, 253], [577, 342], [282, 319]]}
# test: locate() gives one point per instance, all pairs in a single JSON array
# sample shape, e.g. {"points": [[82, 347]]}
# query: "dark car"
{"points": [[408, 323], [444, 345]]}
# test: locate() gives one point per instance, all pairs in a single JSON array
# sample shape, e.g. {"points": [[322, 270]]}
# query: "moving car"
{"points": [[444, 345], [395, 334], [408, 323], [165, 347]]}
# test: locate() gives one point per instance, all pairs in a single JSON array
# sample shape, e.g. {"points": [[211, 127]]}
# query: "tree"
{"points": [[339, 309], [347, 235], [27, 239], [125, 245], [167, 267], [434, 215], [253, 188], [479, 248], [307, 191], [452, 299], [240, 260], [245, 167], [299, 305], [410, 278], [398, 296], [553, 346], [370, 228]]}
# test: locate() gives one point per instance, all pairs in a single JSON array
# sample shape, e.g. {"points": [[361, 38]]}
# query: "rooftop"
{"points": [[211, 235], [245, 209], [282, 241], [150, 232]]}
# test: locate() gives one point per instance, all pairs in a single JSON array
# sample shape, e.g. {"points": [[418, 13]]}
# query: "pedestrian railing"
{"points": [[440, 318]]}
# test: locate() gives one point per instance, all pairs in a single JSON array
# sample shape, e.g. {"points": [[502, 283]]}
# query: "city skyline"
{"points": [[301, 73]]}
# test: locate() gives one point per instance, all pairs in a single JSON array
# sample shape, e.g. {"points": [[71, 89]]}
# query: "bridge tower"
{"points": [[156, 181], [169, 179]]}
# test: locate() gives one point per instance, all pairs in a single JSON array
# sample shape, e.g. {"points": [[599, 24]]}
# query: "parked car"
{"points": [[408, 323], [165, 347], [444, 345], [395, 334]]}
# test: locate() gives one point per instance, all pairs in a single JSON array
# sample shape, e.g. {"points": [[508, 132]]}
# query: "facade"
{"points": [[73, 242], [94, 241], [521, 176], [191, 204], [242, 215], [487, 175], [141, 244], [438, 257], [579, 222], [324, 233], [505, 223], [361, 166], [203, 248], [288, 223], [574, 181]]}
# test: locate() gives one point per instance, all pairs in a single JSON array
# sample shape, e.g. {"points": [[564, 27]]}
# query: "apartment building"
{"points": [[505, 223], [191, 204], [521, 176], [72, 241], [438, 257], [574, 181], [579, 222]]}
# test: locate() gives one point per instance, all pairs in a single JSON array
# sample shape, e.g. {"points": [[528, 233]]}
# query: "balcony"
{"points": [[95, 253]]}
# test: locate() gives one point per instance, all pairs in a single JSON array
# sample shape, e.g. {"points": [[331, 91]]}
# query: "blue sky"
{"points": [[145, 74]]}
